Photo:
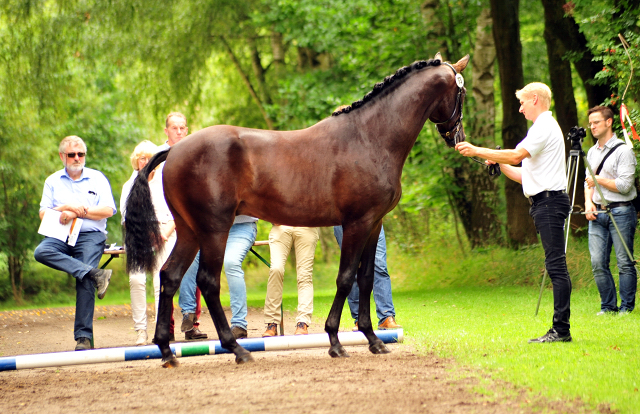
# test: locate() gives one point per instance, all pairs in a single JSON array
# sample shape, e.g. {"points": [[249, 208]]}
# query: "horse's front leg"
{"points": [[208, 280], [344, 283], [365, 284], [352, 245]]}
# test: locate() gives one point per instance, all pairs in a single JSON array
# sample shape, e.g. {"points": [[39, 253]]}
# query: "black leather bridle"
{"points": [[451, 136]]}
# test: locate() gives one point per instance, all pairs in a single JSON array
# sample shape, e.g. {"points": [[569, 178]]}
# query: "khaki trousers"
{"points": [[281, 239], [138, 287]]}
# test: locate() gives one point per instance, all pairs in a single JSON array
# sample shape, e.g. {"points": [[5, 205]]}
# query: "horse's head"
{"points": [[450, 108]]}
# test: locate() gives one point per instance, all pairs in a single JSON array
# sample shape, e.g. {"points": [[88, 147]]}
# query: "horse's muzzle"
{"points": [[453, 137]]}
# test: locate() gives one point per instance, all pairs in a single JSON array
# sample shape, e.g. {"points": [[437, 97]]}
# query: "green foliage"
{"points": [[602, 22], [534, 49], [110, 71]]}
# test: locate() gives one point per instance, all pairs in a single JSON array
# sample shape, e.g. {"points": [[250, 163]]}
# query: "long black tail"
{"points": [[143, 240]]}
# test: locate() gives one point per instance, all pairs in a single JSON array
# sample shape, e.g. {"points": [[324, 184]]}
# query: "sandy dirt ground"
{"points": [[296, 381]]}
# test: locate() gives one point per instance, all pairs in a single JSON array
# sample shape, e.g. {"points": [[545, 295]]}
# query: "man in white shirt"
{"points": [[543, 180], [616, 180]]}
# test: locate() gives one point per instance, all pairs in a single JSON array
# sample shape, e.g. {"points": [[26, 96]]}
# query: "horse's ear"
{"points": [[461, 64], [438, 56]]}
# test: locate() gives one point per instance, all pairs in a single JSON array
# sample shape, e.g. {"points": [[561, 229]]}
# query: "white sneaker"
{"points": [[142, 337]]}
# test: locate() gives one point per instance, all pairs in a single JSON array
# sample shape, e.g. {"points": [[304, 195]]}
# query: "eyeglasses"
{"points": [[73, 154]]}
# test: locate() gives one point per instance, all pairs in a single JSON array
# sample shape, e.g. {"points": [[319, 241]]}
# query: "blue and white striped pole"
{"points": [[185, 349]]}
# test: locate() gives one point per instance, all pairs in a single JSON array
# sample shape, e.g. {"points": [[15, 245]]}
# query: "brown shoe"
{"points": [[301, 329], [355, 328], [389, 323], [188, 322], [272, 330], [238, 332], [194, 333]]}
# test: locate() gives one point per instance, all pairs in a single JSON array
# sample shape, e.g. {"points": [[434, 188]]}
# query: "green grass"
{"points": [[478, 308], [487, 328]]}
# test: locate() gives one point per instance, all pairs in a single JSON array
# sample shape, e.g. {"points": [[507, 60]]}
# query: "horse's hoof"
{"points": [[379, 348], [243, 359], [171, 363], [338, 352]]}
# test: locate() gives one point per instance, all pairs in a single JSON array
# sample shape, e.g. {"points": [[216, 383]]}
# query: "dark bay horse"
{"points": [[345, 170]]}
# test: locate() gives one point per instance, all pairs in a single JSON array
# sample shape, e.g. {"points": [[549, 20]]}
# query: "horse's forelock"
{"points": [[389, 80]]}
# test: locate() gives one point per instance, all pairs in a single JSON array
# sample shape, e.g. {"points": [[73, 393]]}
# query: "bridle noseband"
{"points": [[452, 134]]}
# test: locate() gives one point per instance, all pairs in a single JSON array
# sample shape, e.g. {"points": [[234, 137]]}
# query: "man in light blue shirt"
{"points": [[79, 192]]}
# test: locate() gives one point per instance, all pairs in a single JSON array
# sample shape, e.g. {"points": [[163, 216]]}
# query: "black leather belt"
{"points": [[543, 195], [616, 204]]}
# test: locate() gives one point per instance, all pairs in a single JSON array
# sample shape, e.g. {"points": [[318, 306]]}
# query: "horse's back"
{"points": [[303, 177]]}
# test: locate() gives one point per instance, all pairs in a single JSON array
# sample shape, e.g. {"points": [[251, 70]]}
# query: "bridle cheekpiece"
{"points": [[451, 136]]}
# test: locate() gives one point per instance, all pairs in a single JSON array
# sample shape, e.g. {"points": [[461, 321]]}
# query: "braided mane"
{"points": [[381, 86]]}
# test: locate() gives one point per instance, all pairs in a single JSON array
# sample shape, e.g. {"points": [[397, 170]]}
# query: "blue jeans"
{"points": [[76, 260], [381, 281], [549, 215], [241, 238], [602, 235]]}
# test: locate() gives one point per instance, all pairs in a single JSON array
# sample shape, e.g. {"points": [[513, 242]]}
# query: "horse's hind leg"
{"points": [[170, 277], [208, 280], [365, 284]]}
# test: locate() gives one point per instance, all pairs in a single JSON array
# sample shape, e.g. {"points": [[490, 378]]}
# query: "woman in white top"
{"points": [[137, 281]]}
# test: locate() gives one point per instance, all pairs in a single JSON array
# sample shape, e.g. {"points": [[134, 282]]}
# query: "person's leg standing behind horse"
{"points": [[241, 238], [305, 242], [280, 242], [189, 302]]}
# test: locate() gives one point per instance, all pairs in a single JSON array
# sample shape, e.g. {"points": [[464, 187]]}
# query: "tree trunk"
{"points": [[277, 49], [247, 82], [568, 32], [435, 29], [563, 97], [310, 59], [477, 201], [258, 71], [15, 274], [506, 33]]}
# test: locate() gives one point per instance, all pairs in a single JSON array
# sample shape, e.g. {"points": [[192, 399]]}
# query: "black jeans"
{"points": [[549, 215]]}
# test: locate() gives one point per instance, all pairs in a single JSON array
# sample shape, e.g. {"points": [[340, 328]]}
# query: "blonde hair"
{"points": [[539, 89], [178, 114], [145, 148], [71, 139]]}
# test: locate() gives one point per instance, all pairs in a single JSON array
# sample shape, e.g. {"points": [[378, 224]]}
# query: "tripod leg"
{"points": [[626, 248], [544, 278]]}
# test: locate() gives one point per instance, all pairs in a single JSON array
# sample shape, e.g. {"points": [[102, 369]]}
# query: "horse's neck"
{"points": [[400, 115]]}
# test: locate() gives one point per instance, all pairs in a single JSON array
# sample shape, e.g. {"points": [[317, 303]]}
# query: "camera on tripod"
{"points": [[576, 135]]}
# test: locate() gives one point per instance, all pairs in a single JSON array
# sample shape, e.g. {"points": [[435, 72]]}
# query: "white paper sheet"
{"points": [[51, 227]]}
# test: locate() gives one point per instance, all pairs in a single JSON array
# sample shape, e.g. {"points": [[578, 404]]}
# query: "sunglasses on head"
{"points": [[73, 154]]}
